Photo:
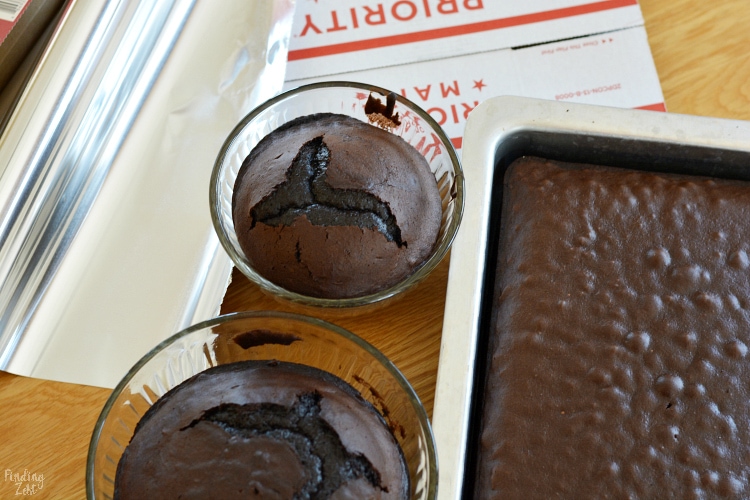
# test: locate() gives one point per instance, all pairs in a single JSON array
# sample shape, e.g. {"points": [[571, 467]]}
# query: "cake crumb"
{"points": [[381, 114]]}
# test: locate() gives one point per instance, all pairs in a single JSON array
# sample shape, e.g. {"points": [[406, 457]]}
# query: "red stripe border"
{"points": [[659, 106], [7, 26], [464, 29]]}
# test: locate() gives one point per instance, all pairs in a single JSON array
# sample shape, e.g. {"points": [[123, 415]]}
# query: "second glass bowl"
{"points": [[228, 339], [417, 127]]}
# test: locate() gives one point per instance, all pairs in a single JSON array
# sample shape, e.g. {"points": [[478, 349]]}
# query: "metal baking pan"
{"points": [[500, 130]]}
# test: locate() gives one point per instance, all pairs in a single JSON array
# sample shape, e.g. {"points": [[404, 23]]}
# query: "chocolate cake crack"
{"points": [[330, 206], [307, 192], [320, 450]]}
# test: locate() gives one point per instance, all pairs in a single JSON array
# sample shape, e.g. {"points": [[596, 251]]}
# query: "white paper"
{"points": [[612, 69], [331, 37]]}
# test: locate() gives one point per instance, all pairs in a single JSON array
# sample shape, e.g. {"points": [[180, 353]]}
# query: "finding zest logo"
{"points": [[24, 483]]}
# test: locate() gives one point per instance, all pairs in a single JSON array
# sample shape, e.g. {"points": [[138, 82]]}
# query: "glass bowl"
{"points": [[417, 127], [224, 340]]}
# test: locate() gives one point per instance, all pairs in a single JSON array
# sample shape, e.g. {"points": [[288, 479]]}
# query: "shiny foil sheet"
{"points": [[106, 242]]}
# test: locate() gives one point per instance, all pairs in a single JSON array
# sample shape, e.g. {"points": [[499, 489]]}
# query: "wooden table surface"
{"points": [[702, 55]]}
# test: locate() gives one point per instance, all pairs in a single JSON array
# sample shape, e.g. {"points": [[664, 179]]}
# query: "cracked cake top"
{"points": [[262, 429], [329, 206]]}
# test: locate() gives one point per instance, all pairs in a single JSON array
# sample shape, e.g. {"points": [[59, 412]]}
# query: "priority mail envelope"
{"points": [[10, 11], [610, 69], [337, 36]]}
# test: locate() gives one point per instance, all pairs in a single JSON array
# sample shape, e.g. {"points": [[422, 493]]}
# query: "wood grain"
{"points": [[45, 429], [701, 54]]}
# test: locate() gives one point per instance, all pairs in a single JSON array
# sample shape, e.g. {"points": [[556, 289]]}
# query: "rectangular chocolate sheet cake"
{"points": [[618, 359]]}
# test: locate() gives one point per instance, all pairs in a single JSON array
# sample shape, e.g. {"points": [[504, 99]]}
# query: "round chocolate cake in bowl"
{"points": [[337, 194], [263, 405]]}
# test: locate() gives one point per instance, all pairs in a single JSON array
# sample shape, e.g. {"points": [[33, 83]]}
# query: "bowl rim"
{"points": [[402, 381], [457, 193]]}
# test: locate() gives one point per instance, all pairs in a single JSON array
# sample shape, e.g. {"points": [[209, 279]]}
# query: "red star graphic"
{"points": [[479, 85]]}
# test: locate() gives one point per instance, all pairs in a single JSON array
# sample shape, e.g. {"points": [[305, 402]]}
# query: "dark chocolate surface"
{"points": [[262, 430], [618, 363], [330, 206], [307, 192]]}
